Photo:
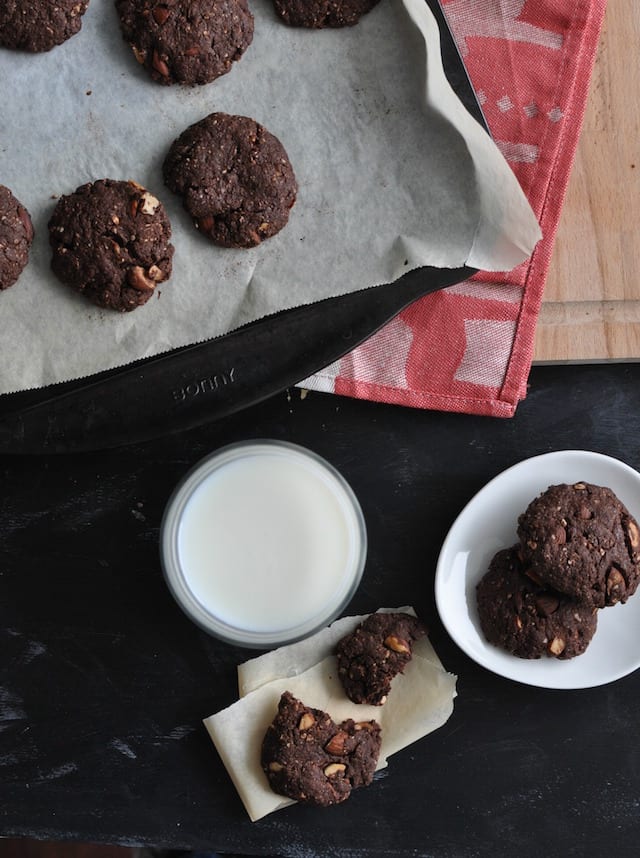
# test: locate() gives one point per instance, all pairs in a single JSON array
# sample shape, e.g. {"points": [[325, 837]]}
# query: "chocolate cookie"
{"points": [[581, 540], [309, 758], [235, 179], [322, 13], [186, 41], [376, 651], [39, 25], [16, 235], [527, 619], [110, 241]]}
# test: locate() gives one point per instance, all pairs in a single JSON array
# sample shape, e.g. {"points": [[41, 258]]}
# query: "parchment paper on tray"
{"points": [[420, 701], [393, 175]]}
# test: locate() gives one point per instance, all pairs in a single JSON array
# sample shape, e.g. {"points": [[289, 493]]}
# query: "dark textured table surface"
{"points": [[104, 682]]}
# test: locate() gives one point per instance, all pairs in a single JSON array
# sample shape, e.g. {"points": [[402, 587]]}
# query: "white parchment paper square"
{"points": [[393, 175]]}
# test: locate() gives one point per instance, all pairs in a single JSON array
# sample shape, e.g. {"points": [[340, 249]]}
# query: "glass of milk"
{"points": [[263, 543]]}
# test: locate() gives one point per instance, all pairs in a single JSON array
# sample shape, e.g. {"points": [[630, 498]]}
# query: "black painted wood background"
{"points": [[103, 681]]}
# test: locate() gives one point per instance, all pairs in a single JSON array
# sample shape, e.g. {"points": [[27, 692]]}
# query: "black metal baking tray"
{"points": [[198, 383]]}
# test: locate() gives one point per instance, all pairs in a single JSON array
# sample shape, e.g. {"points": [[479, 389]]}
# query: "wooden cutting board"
{"points": [[591, 303]]}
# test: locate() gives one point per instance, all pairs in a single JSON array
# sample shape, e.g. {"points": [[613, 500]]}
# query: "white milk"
{"points": [[268, 540]]}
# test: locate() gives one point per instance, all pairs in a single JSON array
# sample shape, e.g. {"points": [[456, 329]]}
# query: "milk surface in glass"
{"points": [[266, 541]]}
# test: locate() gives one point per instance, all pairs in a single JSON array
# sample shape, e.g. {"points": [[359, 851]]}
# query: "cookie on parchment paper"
{"points": [[527, 619], [110, 242], [374, 653], [39, 25], [582, 540], [306, 756], [234, 177], [16, 236], [190, 42], [317, 14]]}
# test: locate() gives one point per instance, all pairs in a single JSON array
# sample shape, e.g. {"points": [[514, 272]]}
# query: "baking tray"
{"points": [[195, 384]]}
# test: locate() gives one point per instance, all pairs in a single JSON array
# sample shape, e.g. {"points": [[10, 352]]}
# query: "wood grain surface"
{"points": [[591, 304]]}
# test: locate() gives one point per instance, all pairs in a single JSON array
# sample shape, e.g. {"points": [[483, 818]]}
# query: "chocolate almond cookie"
{"points": [[527, 619], [110, 241], [581, 540], [234, 177], [186, 41], [39, 25], [376, 651], [16, 236], [306, 756], [322, 13]]}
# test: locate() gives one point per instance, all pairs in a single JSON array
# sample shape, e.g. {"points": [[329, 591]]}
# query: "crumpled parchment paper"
{"points": [[393, 175]]}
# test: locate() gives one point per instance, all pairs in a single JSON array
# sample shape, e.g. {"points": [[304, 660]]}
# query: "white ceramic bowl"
{"points": [[487, 524], [263, 543]]}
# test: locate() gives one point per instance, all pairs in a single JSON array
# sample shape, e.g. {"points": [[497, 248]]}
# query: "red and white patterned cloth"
{"points": [[469, 348]]}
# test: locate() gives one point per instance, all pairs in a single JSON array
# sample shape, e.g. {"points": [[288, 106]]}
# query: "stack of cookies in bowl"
{"points": [[578, 552]]}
